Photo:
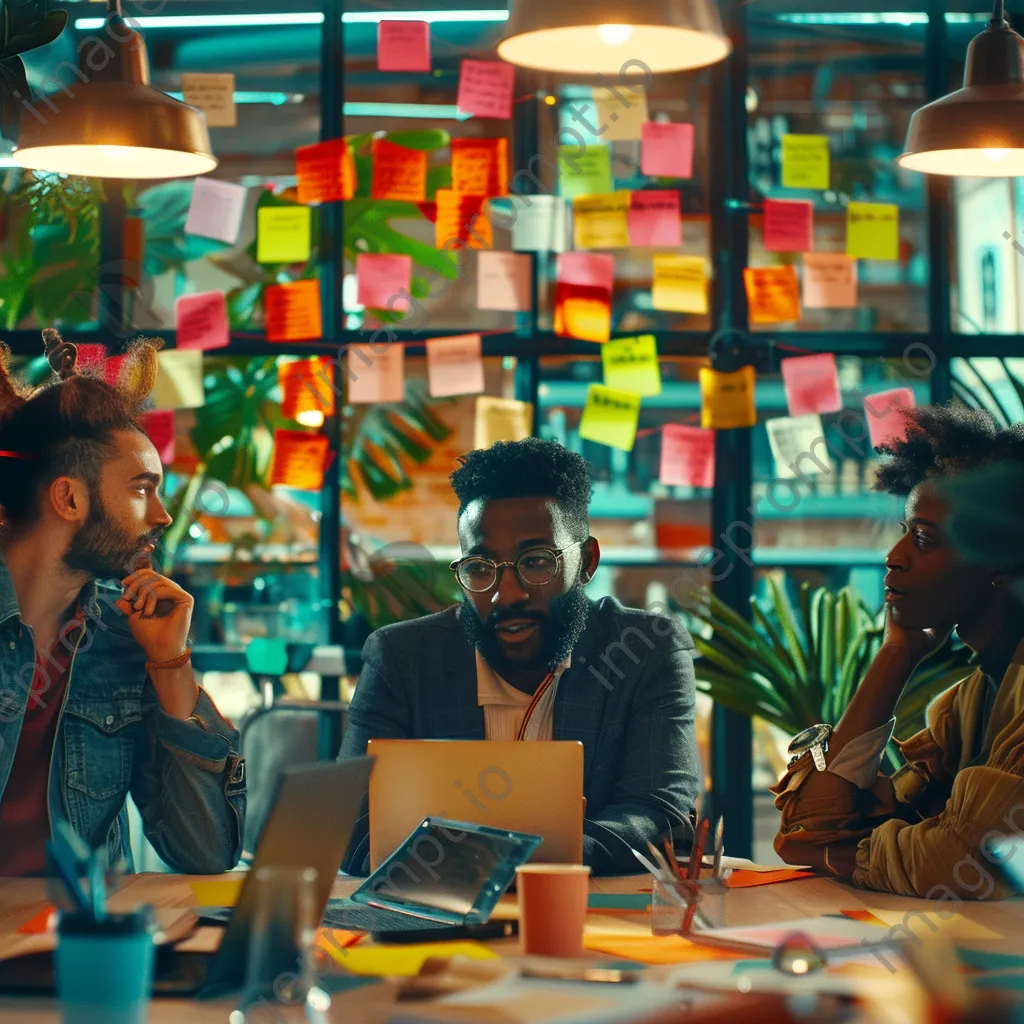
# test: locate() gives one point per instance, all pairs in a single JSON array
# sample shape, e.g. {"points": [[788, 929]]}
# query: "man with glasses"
{"points": [[528, 656]]}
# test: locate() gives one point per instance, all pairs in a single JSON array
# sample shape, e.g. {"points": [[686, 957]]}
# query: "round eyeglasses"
{"points": [[535, 568]]}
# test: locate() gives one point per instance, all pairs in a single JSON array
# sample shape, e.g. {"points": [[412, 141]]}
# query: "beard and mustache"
{"points": [[104, 550]]}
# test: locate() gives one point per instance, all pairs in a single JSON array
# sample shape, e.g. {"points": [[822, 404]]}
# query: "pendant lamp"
{"points": [[114, 124], [614, 37], [977, 131]]}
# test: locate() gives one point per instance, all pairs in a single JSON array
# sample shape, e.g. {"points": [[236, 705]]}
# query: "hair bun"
{"points": [[60, 354]]}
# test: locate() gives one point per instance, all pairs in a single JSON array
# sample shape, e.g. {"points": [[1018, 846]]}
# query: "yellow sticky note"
{"points": [[610, 417], [622, 113], [680, 284], [405, 961], [217, 892], [805, 161], [179, 380], [585, 172], [601, 222], [214, 95], [501, 419], [727, 399], [631, 364], [873, 231], [284, 234]]}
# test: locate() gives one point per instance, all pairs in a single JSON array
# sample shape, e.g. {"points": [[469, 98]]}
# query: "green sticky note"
{"points": [[638, 901], [805, 161], [284, 234], [873, 231], [631, 364], [610, 417], [585, 173]]}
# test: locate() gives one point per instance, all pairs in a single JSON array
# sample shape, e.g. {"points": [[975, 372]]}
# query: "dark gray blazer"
{"points": [[628, 697]]}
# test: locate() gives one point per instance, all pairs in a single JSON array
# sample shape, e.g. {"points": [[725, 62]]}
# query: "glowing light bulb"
{"points": [[994, 155], [310, 418], [615, 35]]}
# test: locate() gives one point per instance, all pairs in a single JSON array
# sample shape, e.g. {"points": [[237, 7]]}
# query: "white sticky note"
{"points": [[214, 95], [798, 446], [455, 366], [539, 223], [621, 112], [179, 381], [216, 210]]}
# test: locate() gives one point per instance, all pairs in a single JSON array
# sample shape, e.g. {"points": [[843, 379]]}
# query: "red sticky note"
{"points": [[202, 321], [159, 427], [299, 459], [587, 270], [687, 456], [666, 150], [307, 385], [811, 384], [403, 46], [293, 311], [480, 167], [326, 172], [398, 172], [382, 280], [882, 410], [583, 296], [462, 221], [485, 88], [788, 225], [654, 219]]}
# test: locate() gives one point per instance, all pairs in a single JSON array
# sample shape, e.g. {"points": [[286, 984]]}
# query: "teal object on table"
{"points": [[619, 901], [265, 656]]}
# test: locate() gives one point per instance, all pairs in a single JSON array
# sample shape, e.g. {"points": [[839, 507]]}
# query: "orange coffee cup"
{"points": [[552, 908]]}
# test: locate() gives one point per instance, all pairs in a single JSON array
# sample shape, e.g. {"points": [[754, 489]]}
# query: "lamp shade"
{"points": [[977, 131], [603, 36]]}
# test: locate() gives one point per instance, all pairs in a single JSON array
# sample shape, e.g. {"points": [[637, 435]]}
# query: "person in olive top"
{"points": [[97, 694]]}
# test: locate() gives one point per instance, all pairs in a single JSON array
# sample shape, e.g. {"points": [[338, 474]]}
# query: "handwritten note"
{"points": [[586, 270], [501, 419], [811, 384], [727, 399], [398, 172], [885, 418], [601, 221], [403, 46], [654, 219], [805, 161], [293, 311], [584, 173], [503, 281], [462, 221], [873, 231], [179, 380], [540, 224], [376, 376], [480, 166], [680, 284], [382, 279], [216, 210], [307, 385], [202, 321], [788, 225], [773, 294], [667, 150], [621, 112], [455, 366], [830, 281], [631, 364], [283, 234], [791, 438], [486, 88], [687, 456], [299, 460], [214, 95], [610, 417], [326, 171], [159, 427]]}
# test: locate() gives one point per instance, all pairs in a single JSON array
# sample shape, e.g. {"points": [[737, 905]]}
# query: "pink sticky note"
{"points": [[202, 321], [885, 421], [654, 219], [376, 376], [159, 428], [587, 270], [830, 281], [687, 456], [503, 281], [485, 88], [403, 46], [383, 280], [666, 150], [455, 366], [94, 358], [788, 225], [811, 384]]}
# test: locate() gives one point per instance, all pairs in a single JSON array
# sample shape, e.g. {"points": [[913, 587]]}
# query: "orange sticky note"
{"points": [[403, 46], [299, 459], [503, 281], [480, 167], [159, 427], [773, 294], [740, 879], [462, 221], [485, 88], [202, 321], [326, 172], [727, 399], [41, 923], [307, 385], [884, 413], [383, 281], [666, 150], [293, 311], [788, 225], [398, 172], [455, 366], [376, 377], [687, 456]]}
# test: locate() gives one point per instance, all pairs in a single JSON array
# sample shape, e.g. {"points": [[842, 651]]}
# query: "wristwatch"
{"points": [[815, 739]]}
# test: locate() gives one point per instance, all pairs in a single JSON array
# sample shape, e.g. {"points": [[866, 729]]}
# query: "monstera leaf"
{"points": [[24, 25]]}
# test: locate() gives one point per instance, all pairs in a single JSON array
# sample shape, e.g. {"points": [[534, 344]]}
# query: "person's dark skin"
{"points": [[502, 529]]}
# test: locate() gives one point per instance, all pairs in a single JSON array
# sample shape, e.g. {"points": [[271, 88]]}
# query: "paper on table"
{"points": [[503, 281], [885, 420], [584, 173], [455, 366], [788, 225], [485, 88], [654, 219], [179, 381], [687, 456], [201, 321], [307, 385], [501, 419], [299, 459], [283, 234], [293, 311], [622, 112], [811, 384], [326, 171], [667, 150], [680, 284], [610, 417], [406, 960], [773, 294], [462, 222], [539, 223], [214, 95], [873, 231], [403, 46], [740, 879], [217, 892], [376, 376], [830, 281], [650, 949], [480, 166], [398, 172], [600, 221], [383, 279], [631, 364], [727, 399], [216, 210], [826, 932], [158, 425], [795, 442], [805, 161]]}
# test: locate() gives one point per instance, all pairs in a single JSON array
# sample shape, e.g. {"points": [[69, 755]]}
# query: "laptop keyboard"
{"points": [[353, 916]]}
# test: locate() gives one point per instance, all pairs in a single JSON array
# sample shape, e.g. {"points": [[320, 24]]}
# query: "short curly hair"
{"points": [[944, 441], [532, 467]]}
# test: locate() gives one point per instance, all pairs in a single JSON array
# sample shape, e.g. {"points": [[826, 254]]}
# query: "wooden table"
{"points": [[21, 899]]}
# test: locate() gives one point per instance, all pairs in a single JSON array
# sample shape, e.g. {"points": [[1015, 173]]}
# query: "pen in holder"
{"points": [[682, 906]]}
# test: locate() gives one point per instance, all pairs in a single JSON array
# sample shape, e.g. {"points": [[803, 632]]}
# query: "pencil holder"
{"points": [[684, 906]]}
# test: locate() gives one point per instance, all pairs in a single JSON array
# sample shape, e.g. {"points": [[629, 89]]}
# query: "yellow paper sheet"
{"points": [[406, 960], [680, 284], [873, 231], [602, 221], [217, 892], [631, 364], [805, 161], [284, 234], [610, 417], [652, 949], [727, 399]]}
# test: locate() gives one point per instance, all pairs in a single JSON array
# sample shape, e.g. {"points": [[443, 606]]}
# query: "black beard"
{"points": [[560, 630], [102, 550]]}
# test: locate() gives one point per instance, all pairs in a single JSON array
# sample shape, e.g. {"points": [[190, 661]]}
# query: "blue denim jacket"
{"points": [[186, 778]]}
